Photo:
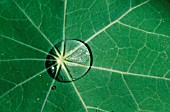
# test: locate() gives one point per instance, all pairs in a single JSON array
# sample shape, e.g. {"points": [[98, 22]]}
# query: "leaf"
{"points": [[130, 45]]}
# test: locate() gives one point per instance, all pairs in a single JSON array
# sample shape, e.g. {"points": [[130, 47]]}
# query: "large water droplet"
{"points": [[74, 63]]}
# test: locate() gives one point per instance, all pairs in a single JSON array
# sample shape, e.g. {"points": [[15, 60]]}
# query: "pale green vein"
{"points": [[134, 99], [147, 32], [29, 46], [25, 81], [111, 38], [39, 26], [130, 4], [112, 23], [90, 90], [23, 59], [120, 72], [143, 101], [49, 90], [107, 4], [98, 109], [153, 63], [9, 81], [160, 22], [108, 26], [55, 105], [20, 84], [21, 99], [27, 59], [166, 73], [135, 59], [7, 19], [45, 37], [75, 88], [28, 4], [64, 28]]}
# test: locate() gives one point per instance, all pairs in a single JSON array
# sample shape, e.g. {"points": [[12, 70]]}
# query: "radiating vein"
{"points": [[75, 88], [23, 59], [120, 72], [45, 37], [64, 28], [49, 90], [108, 26], [34, 76], [112, 23], [34, 48], [153, 33], [29, 46], [27, 59]]}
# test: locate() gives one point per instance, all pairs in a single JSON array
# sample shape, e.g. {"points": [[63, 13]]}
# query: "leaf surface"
{"points": [[130, 45]]}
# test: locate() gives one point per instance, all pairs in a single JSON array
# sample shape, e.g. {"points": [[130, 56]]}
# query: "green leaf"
{"points": [[129, 42]]}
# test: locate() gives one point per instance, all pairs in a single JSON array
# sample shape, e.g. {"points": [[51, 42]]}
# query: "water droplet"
{"points": [[53, 87], [38, 99], [81, 56]]}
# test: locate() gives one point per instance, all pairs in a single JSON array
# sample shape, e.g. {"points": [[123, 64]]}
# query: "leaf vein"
{"points": [[45, 37], [121, 72], [148, 32]]}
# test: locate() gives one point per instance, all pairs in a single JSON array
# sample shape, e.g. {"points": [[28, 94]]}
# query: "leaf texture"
{"points": [[130, 45]]}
